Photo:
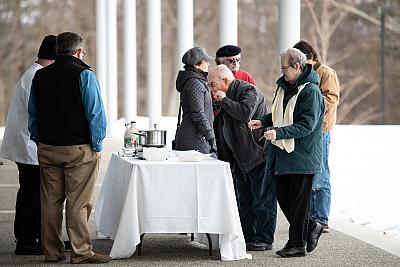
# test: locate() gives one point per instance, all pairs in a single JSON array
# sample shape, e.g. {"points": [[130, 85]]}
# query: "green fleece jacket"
{"points": [[306, 128]]}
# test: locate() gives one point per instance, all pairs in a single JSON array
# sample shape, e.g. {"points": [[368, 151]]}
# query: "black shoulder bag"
{"points": [[178, 124]]}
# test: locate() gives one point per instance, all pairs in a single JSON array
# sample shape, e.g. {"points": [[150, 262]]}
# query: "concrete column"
{"points": [[112, 79], [289, 23], [154, 90], [130, 70], [185, 29], [101, 48], [184, 42], [228, 29]]}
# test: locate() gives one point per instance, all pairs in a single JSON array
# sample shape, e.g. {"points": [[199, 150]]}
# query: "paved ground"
{"points": [[334, 249]]}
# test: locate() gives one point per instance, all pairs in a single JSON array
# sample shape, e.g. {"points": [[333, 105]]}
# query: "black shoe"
{"points": [[258, 246], [67, 245], [291, 252], [28, 249], [313, 236]]}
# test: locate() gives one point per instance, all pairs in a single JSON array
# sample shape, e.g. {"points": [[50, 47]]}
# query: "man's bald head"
{"points": [[222, 72], [220, 78]]}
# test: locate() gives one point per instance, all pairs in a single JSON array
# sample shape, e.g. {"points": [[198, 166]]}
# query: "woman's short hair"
{"points": [[294, 56]]}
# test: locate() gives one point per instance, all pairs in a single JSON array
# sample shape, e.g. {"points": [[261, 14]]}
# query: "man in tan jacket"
{"points": [[329, 85]]}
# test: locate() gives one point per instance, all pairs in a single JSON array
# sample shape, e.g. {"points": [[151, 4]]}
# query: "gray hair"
{"points": [[223, 72], [68, 43], [294, 56]]}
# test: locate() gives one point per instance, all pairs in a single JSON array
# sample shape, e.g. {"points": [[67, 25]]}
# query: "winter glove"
{"points": [[213, 145]]}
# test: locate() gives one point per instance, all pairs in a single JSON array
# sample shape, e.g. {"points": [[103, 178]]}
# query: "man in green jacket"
{"points": [[295, 151]]}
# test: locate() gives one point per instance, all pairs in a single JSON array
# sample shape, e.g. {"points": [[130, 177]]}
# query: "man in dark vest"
{"points": [[68, 123]]}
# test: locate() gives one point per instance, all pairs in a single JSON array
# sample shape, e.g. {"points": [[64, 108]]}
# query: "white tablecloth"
{"points": [[139, 196]]}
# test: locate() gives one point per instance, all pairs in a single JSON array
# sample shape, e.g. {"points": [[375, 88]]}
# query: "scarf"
{"points": [[282, 118]]}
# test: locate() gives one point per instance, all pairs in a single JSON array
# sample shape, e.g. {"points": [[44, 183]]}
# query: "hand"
{"points": [[213, 145], [254, 124], [270, 135], [98, 155], [219, 95]]}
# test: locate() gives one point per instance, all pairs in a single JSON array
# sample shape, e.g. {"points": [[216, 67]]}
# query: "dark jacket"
{"points": [[306, 128], [235, 142], [196, 127]]}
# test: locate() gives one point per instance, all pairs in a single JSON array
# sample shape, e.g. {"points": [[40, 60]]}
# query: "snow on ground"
{"points": [[364, 176]]}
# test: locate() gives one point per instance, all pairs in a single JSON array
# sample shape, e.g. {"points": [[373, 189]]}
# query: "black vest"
{"points": [[61, 117]]}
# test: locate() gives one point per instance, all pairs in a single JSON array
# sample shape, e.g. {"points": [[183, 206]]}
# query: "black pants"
{"points": [[293, 192], [27, 208], [256, 200]]}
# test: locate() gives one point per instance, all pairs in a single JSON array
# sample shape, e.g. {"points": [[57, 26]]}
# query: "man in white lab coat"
{"points": [[18, 147]]}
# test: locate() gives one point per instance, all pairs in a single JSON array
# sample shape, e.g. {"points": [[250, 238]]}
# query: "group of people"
{"points": [[56, 125], [54, 131], [278, 156]]}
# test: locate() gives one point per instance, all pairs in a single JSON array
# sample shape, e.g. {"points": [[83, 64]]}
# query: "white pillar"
{"points": [[112, 79], [185, 29], [289, 23], [154, 90], [184, 40], [101, 48], [228, 29], [130, 75]]}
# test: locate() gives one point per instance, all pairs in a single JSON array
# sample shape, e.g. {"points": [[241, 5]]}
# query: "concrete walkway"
{"points": [[334, 249], [337, 248]]}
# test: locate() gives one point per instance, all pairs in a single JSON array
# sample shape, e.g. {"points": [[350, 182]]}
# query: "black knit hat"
{"points": [[228, 51], [47, 49]]}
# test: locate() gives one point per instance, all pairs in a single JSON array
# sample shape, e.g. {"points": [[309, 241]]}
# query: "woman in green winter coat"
{"points": [[295, 151]]}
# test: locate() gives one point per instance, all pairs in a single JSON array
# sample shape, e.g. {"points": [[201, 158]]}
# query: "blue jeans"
{"points": [[256, 200], [321, 187]]}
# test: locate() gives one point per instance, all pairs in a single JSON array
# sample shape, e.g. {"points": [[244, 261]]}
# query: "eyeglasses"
{"points": [[233, 60], [212, 84], [284, 68]]}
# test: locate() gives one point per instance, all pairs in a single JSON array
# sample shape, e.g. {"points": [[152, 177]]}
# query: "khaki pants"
{"points": [[67, 172]]}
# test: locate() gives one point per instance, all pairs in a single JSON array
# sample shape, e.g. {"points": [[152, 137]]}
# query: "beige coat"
{"points": [[330, 88]]}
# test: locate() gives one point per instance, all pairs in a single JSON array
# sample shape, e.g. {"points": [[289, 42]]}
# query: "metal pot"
{"points": [[152, 138]]}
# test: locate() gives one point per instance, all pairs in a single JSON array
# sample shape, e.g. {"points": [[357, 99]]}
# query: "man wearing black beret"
{"points": [[230, 55]]}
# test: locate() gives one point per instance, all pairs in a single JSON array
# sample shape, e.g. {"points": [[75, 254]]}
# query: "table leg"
{"points": [[139, 246], [209, 245]]}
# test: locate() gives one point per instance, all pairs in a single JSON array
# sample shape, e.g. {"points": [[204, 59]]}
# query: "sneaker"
{"points": [[326, 228], [28, 249], [95, 259]]}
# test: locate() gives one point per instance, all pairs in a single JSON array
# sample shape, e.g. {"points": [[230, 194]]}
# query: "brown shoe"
{"points": [[95, 259]]}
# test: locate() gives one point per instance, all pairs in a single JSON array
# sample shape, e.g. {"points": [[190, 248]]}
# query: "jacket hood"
{"points": [[308, 75], [187, 74]]}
